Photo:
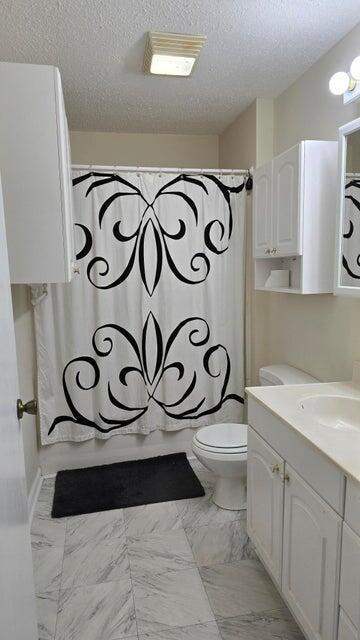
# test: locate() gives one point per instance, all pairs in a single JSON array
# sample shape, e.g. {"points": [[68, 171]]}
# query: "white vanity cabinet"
{"points": [[294, 211], [36, 174], [311, 551], [347, 631], [295, 499], [297, 535], [265, 502], [349, 623], [350, 581]]}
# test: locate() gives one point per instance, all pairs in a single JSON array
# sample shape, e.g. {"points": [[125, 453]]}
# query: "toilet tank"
{"points": [[283, 374]]}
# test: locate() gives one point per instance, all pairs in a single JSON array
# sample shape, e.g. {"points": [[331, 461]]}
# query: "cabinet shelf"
{"points": [[279, 289]]}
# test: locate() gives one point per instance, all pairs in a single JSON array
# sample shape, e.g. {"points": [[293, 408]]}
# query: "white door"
{"points": [[17, 600], [262, 211], [286, 219], [265, 502], [311, 558]]}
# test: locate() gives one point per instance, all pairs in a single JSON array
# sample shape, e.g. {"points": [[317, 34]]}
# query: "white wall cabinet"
{"points": [[262, 207], [287, 171], [36, 173], [311, 544], [265, 502], [294, 210]]}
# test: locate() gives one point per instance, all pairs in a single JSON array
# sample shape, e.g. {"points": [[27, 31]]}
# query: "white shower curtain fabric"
{"points": [[150, 334]]}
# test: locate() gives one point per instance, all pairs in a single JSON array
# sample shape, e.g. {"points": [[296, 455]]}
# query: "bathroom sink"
{"points": [[337, 412]]}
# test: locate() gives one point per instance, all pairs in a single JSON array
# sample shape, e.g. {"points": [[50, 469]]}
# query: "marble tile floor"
{"points": [[182, 570]]}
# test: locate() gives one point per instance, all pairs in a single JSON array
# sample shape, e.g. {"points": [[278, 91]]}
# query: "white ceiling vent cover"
{"points": [[171, 54]]}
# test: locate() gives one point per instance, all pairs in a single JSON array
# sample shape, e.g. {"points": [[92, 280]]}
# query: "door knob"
{"points": [[29, 407]]}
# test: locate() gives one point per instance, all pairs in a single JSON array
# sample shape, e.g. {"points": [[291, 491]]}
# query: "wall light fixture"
{"points": [[347, 84]]}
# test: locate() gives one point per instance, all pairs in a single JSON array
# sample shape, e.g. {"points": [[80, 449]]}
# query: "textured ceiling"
{"points": [[254, 48]]}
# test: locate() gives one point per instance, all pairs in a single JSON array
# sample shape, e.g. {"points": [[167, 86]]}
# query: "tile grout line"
{"points": [[131, 578], [61, 577], [61, 571]]}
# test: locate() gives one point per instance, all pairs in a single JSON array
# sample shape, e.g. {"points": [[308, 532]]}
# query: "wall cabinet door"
{"points": [[286, 218], [311, 550], [35, 168], [265, 502], [262, 204]]}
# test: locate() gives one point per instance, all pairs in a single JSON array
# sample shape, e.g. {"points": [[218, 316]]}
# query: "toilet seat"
{"points": [[227, 438]]}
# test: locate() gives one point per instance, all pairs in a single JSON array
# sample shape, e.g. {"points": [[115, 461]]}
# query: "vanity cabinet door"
{"points": [[347, 630], [262, 202], [286, 218], [350, 576], [311, 558], [265, 502]]}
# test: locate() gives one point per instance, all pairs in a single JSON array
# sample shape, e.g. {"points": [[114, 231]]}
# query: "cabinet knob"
{"points": [[275, 468]]}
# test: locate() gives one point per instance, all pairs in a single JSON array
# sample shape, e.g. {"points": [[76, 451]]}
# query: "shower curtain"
{"points": [[150, 334]]}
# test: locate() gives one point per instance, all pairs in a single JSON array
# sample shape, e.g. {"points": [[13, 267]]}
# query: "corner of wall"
{"points": [[264, 130]]}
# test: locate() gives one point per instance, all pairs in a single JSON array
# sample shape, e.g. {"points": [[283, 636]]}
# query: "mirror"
{"points": [[347, 277]]}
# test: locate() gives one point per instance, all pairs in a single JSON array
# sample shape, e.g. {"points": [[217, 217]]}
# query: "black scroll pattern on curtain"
{"points": [[151, 230], [155, 365], [353, 223]]}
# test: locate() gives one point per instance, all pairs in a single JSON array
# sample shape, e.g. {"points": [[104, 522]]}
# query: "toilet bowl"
{"points": [[222, 448]]}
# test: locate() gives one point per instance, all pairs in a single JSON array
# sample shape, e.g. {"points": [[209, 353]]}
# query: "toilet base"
{"points": [[230, 493]]}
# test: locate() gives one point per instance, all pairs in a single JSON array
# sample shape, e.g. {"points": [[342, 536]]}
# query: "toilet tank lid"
{"points": [[285, 374]]}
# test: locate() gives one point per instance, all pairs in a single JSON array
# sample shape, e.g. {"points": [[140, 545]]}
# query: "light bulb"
{"points": [[355, 68], [339, 83]]}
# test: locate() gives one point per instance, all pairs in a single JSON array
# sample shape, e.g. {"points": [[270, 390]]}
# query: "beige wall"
{"points": [[240, 145], [320, 333], [237, 144], [145, 149]]}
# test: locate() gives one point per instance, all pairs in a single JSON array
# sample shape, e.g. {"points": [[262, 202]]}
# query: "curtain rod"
{"points": [[97, 167]]}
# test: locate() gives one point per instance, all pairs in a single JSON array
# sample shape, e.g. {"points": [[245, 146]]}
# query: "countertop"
{"points": [[342, 447]]}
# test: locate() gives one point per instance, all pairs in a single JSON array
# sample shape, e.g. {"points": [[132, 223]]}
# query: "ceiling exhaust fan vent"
{"points": [[171, 54]]}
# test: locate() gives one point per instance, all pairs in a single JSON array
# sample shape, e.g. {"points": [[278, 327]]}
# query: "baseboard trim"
{"points": [[34, 494]]}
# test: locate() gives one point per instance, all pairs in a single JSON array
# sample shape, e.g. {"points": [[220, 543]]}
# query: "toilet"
{"points": [[222, 448]]}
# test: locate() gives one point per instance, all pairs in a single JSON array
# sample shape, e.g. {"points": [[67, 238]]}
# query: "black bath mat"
{"points": [[124, 484]]}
